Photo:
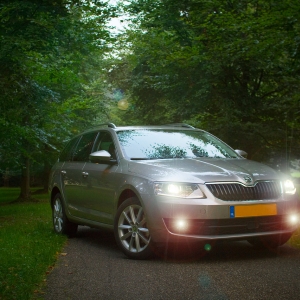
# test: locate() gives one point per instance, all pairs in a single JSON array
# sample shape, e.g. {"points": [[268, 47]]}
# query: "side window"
{"points": [[67, 153], [84, 147], [105, 142]]}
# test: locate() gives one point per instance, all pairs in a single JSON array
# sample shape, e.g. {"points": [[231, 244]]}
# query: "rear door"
{"points": [[72, 174]]}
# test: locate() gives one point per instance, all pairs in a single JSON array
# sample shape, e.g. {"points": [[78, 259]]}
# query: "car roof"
{"points": [[113, 127], [175, 126]]}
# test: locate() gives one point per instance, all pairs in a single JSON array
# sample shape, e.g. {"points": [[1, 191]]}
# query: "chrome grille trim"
{"points": [[233, 191]]}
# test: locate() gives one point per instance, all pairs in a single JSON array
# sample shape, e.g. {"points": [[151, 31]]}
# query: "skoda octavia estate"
{"points": [[156, 185]]}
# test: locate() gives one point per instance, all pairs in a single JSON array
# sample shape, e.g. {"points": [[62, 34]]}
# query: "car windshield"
{"points": [[164, 144]]}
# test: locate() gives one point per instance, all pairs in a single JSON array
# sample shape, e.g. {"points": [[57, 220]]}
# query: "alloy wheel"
{"points": [[132, 229], [58, 215]]}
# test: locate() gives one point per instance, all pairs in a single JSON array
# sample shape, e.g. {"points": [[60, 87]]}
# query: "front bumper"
{"points": [[211, 219]]}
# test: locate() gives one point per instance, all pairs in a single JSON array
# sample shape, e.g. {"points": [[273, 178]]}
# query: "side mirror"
{"points": [[241, 153], [100, 156]]}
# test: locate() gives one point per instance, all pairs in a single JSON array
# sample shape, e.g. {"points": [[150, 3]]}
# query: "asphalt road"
{"points": [[92, 267]]}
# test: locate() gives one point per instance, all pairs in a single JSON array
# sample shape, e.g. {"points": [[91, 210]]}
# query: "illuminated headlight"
{"points": [[289, 187], [180, 190]]}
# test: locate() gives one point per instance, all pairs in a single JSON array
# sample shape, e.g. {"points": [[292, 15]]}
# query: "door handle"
{"points": [[85, 174]]}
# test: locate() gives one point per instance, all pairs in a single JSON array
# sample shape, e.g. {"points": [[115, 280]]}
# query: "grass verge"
{"points": [[28, 245], [294, 241]]}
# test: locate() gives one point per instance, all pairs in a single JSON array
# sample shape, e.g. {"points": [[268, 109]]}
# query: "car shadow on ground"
{"points": [[185, 251], [99, 238]]}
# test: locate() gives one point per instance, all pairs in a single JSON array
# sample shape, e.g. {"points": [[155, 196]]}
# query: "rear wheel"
{"points": [[272, 241], [131, 232], [61, 224]]}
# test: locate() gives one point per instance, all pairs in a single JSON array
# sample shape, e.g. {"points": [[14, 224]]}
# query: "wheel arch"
{"points": [[127, 193], [54, 191]]}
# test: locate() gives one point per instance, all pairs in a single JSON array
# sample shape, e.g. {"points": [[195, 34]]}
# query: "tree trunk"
{"points": [[47, 168], [25, 193], [6, 178]]}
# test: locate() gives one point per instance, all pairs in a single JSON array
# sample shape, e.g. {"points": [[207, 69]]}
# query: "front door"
{"points": [[101, 181]]}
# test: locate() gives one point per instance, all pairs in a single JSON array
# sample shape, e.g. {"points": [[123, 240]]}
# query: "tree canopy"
{"points": [[229, 67], [49, 53]]}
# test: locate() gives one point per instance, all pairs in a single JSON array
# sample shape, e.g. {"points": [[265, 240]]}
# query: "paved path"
{"points": [[94, 268]]}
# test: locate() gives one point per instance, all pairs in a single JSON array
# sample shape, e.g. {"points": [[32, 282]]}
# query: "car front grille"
{"points": [[236, 226], [263, 190]]}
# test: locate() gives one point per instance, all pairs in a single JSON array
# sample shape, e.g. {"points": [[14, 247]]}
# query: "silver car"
{"points": [[158, 185]]}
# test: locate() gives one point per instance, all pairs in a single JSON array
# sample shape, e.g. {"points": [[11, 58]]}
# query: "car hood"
{"points": [[201, 170]]}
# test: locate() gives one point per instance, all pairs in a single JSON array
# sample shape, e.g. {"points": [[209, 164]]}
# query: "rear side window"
{"points": [[67, 152], [84, 147]]}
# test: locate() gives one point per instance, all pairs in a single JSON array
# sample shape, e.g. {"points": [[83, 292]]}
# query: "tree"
{"points": [[230, 67], [47, 50]]}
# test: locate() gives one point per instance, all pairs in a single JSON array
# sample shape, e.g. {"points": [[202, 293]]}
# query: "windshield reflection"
{"points": [[165, 144]]}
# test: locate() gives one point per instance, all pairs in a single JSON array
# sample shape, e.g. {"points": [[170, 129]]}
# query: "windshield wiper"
{"points": [[139, 158]]}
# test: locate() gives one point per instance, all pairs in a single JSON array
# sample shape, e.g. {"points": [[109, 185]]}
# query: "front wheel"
{"points": [[61, 224], [131, 231]]}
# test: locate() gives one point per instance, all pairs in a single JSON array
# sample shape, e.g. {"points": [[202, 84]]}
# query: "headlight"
{"points": [[180, 190], [289, 187]]}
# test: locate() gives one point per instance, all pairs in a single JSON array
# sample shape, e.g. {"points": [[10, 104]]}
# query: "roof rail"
{"points": [[181, 125]]}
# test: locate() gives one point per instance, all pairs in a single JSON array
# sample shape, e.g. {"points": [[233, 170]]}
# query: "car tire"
{"points": [[61, 224], [131, 232], [272, 241]]}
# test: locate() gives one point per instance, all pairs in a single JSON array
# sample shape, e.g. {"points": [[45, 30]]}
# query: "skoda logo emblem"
{"points": [[247, 179]]}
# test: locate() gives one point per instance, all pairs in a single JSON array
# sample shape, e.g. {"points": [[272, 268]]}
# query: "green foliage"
{"points": [[229, 67], [49, 55]]}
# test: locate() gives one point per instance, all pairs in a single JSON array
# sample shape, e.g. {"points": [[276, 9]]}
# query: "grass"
{"points": [[295, 239], [8, 195], [28, 245]]}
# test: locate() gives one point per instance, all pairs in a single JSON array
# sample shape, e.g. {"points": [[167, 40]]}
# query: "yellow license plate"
{"points": [[255, 210]]}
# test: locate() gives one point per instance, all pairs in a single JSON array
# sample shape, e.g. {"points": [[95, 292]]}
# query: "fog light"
{"points": [[294, 219], [181, 225]]}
